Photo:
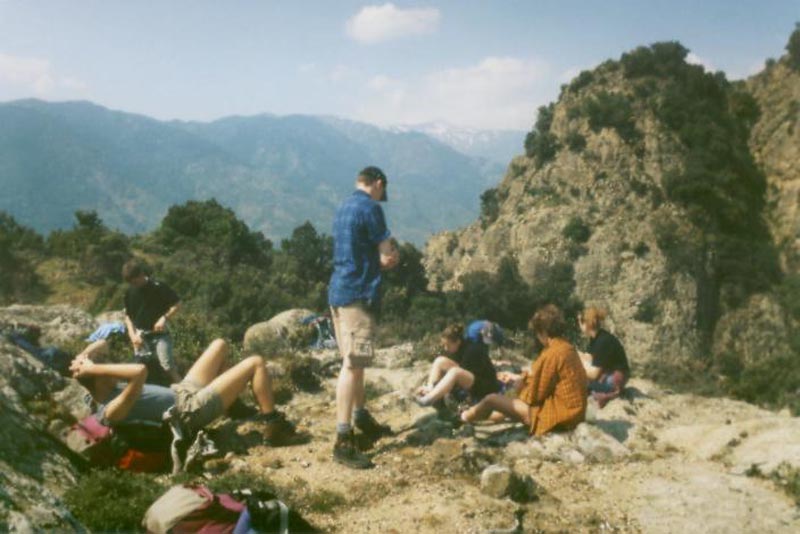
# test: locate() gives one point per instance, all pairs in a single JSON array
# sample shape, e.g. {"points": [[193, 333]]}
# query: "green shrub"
{"points": [[575, 142], [490, 206], [793, 47], [540, 143], [113, 501], [581, 80], [647, 311], [577, 230], [612, 110]]}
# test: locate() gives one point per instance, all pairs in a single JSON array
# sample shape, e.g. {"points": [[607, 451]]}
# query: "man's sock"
{"points": [[424, 400], [343, 429]]}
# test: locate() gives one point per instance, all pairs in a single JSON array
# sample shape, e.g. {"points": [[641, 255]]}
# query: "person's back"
{"points": [[359, 226], [608, 353], [561, 399], [474, 357]]}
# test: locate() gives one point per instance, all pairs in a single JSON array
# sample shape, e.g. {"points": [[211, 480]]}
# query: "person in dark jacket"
{"points": [[605, 360], [466, 366]]}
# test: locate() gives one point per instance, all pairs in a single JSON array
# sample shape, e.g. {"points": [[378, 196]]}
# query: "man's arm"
{"points": [[161, 324], [134, 373], [389, 253], [133, 334]]}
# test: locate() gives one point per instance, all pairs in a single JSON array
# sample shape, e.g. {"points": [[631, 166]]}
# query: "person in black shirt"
{"points": [[466, 366], [148, 306], [605, 360]]}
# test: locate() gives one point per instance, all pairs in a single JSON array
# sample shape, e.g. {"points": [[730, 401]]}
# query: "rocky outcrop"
{"points": [[283, 330], [35, 404], [603, 206], [775, 143]]}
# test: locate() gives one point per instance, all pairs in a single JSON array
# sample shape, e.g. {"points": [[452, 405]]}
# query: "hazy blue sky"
{"points": [[472, 63]]}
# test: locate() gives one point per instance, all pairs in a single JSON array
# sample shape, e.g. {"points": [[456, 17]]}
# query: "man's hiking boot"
{"points": [[372, 429], [346, 453], [278, 432], [240, 410]]}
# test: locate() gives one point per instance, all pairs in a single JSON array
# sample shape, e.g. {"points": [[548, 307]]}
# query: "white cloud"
{"points": [[498, 92], [23, 76], [374, 24], [694, 59]]}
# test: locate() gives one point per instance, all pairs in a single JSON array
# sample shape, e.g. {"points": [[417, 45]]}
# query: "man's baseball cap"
{"points": [[374, 174]]}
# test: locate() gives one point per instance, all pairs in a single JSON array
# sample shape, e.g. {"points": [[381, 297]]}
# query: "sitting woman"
{"points": [[466, 366], [604, 360], [552, 395]]}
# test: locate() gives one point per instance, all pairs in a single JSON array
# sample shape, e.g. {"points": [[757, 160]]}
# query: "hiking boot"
{"points": [[372, 429], [278, 432], [240, 410], [346, 453]]}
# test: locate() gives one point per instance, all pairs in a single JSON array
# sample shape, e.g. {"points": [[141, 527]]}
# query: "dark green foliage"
{"points": [[773, 382], [113, 501], [641, 249], [581, 80], [793, 47], [659, 59], [540, 144], [612, 110], [100, 252], [490, 206], [577, 230], [19, 249], [506, 298], [576, 142], [647, 310]]}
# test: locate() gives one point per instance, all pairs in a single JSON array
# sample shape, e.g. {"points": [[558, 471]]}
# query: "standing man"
{"points": [[362, 248], [148, 306]]}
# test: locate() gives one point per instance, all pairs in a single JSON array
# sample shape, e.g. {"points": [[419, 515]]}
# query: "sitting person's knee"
{"points": [[441, 361], [255, 361]]}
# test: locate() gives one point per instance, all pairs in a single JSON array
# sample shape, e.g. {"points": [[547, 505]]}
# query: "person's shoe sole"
{"points": [[354, 464]]}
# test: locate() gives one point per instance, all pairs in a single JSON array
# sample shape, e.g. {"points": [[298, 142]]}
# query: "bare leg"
{"points": [[440, 366], [456, 376], [232, 382], [349, 393], [513, 408], [208, 365]]}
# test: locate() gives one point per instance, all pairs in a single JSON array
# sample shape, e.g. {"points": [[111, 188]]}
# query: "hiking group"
{"points": [[551, 396]]}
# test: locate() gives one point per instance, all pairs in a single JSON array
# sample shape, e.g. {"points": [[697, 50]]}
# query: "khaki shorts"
{"points": [[198, 406], [355, 334]]}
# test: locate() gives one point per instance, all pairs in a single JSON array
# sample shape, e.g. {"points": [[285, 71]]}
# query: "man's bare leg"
{"points": [[208, 365], [230, 384]]}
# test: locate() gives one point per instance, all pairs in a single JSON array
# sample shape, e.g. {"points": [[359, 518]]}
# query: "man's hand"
{"points": [[80, 366], [160, 325], [136, 339], [389, 254]]}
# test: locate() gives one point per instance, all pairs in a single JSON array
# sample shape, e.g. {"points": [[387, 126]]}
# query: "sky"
{"points": [[470, 63]]}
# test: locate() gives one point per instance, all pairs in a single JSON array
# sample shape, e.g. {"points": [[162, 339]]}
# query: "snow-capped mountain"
{"points": [[498, 146]]}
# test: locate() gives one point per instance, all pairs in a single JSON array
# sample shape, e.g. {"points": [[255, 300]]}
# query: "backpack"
{"points": [[139, 447], [186, 509]]}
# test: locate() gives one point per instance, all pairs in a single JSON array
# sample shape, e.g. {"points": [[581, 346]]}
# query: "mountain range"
{"points": [[274, 171]]}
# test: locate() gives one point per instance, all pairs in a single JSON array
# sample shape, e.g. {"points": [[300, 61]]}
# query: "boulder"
{"points": [[500, 481], [596, 445], [496, 481], [283, 329], [59, 324]]}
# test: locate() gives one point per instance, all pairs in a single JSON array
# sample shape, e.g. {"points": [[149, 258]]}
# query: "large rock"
{"points": [[282, 330], [500, 481], [35, 468], [59, 324]]}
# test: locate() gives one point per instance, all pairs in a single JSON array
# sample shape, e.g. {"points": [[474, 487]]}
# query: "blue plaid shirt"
{"points": [[358, 228]]}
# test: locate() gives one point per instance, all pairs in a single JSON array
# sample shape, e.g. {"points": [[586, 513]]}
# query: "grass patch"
{"points": [[113, 501]]}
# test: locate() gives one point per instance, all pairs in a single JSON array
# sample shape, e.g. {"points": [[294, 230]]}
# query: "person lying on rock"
{"points": [[552, 396], [201, 397], [605, 360], [466, 370]]}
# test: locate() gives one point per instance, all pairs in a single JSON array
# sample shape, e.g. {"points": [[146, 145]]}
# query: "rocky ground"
{"points": [[656, 461]]}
